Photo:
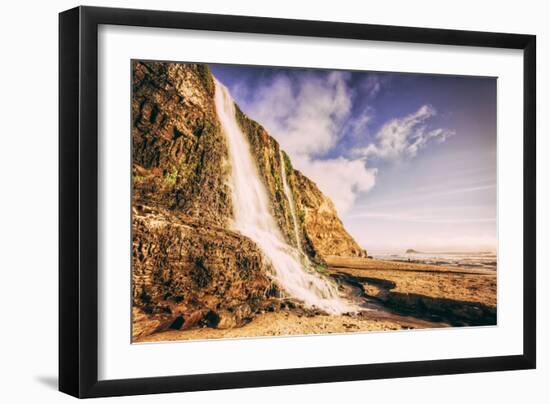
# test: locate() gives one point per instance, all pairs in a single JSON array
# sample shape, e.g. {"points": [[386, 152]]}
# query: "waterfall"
{"points": [[252, 217], [290, 199]]}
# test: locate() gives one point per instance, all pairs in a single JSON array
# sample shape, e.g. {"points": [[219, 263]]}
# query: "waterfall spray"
{"points": [[252, 217]]}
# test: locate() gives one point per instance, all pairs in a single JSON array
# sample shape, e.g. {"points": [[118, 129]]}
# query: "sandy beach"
{"points": [[396, 295]]}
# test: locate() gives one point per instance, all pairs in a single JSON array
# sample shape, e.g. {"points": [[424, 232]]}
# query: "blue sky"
{"points": [[408, 159]]}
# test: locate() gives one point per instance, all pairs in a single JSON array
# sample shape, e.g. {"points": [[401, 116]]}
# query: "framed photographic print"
{"points": [[250, 201]]}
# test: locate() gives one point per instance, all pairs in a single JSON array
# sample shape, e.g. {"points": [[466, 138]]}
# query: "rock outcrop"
{"points": [[189, 268]]}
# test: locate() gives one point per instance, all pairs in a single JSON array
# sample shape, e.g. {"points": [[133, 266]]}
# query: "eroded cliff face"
{"points": [[189, 268]]}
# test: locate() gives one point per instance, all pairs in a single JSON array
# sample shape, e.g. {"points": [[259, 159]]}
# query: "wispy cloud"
{"points": [[404, 137], [419, 218], [358, 126], [373, 84], [421, 195], [470, 242]]}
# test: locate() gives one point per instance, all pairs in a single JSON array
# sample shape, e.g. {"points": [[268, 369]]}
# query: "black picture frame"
{"points": [[78, 201]]}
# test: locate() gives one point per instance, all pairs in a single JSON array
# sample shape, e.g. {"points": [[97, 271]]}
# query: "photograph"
{"points": [[273, 201], [245, 202]]}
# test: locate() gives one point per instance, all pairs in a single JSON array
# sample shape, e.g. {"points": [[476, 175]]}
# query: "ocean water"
{"points": [[478, 260]]}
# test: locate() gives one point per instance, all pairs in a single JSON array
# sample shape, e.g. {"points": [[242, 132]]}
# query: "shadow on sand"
{"points": [[456, 313]]}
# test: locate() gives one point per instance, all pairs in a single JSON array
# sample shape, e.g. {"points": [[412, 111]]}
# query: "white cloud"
{"points": [[372, 85], [340, 179], [358, 127], [303, 115], [404, 137]]}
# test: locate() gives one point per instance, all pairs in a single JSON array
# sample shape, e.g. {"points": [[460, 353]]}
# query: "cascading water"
{"points": [[290, 200], [252, 217]]}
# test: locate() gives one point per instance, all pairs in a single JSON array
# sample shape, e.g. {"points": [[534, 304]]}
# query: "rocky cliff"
{"points": [[189, 268]]}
